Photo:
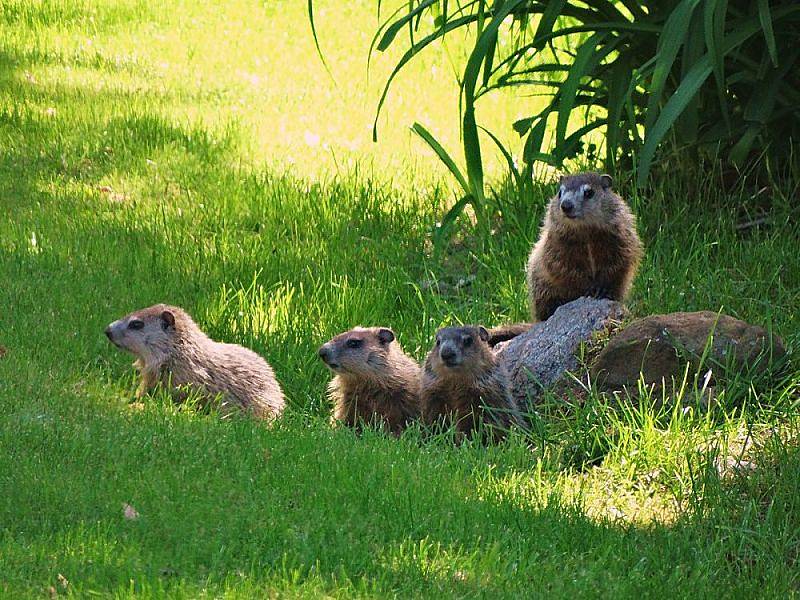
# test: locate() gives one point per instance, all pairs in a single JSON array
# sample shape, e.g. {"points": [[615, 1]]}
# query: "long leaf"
{"points": [[533, 145], [442, 233], [585, 59], [614, 26], [408, 55], [669, 42], [618, 88], [395, 27], [689, 122], [714, 27], [547, 20], [442, 154], [688, 87], [769, 35], [506, 155], [672, 110], [310, 7], [472, 148]]}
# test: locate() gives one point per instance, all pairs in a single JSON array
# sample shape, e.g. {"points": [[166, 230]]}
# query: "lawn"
{"points": [[201, 155]]}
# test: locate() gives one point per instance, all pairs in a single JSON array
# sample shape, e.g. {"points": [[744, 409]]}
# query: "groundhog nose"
{"points": [[447, 354], [324, 353], [108, 332], [568, 206]]}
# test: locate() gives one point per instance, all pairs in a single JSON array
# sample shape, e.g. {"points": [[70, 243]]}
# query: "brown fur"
{"points": [[504, 333], [376, 383], [462, 382], [171, 350], [596, 253]]}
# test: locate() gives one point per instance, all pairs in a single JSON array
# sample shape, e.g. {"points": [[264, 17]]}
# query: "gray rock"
{"points": [[539, 358]]}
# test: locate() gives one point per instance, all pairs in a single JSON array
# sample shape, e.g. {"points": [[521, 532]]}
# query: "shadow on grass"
{"points": [[234, 506]]}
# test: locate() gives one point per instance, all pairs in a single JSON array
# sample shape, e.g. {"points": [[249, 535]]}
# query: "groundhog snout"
{"points": [[449, 356], [326, 354], [568, 207], [109, 332]]}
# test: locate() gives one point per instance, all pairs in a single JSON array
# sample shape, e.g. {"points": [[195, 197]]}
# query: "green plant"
{"points": [[716, 77]]}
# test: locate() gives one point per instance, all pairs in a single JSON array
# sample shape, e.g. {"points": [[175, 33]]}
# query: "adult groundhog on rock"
{"points": [[464, 385], [376, 383], [173, 351], [588, 246]]}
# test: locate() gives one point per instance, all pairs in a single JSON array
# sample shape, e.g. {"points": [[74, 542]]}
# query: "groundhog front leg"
{"points": [[345, 413], [601, 292], [148, 382], [608, 285]]}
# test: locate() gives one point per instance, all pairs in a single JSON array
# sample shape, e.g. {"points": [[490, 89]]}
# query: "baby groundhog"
{"points": [[172, 350], [463, 384], [587, 246], [376, 383]]}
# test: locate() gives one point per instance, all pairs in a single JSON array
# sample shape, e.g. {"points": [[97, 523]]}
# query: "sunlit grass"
{"points": [[252, 67]]}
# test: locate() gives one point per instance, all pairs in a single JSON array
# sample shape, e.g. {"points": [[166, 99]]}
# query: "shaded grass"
{"points": [[118, 198]]}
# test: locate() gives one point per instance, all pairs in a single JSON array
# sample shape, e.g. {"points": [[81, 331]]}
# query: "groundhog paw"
{"points": [[599, 292]]}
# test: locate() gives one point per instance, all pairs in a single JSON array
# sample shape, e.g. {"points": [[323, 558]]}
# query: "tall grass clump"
{"points": [[623, 81]]}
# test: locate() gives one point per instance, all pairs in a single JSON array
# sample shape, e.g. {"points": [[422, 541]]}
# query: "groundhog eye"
{"points": [[467, 341], [136, 324], [588, 193], [354, 343], [438, 342]]}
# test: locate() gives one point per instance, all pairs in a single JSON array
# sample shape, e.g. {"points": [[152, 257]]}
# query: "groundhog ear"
{"points": [[483, 333], [385, 336], [606, 181], [167, 320]]}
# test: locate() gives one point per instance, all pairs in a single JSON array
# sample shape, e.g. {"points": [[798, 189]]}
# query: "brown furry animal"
{"points": [[173, 351], [588, 246], [376, 383], [504, 333], [463, 384]]}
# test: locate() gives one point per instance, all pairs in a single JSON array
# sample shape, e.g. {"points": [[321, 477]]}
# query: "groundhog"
{"points": [[464, 385], [587, 246], [504, 333], [172, 350], [376, 383]]}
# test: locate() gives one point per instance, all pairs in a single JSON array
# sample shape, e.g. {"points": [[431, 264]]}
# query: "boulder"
{"points": [[659, 347], [539, 358]]}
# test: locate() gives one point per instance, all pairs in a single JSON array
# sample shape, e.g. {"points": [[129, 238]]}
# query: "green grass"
{"points": [[124, 182]]}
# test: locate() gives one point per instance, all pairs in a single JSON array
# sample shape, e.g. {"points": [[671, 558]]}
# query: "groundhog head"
{"points": [[361, 351], [582, 199], [148, 333], [458, 348]]}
